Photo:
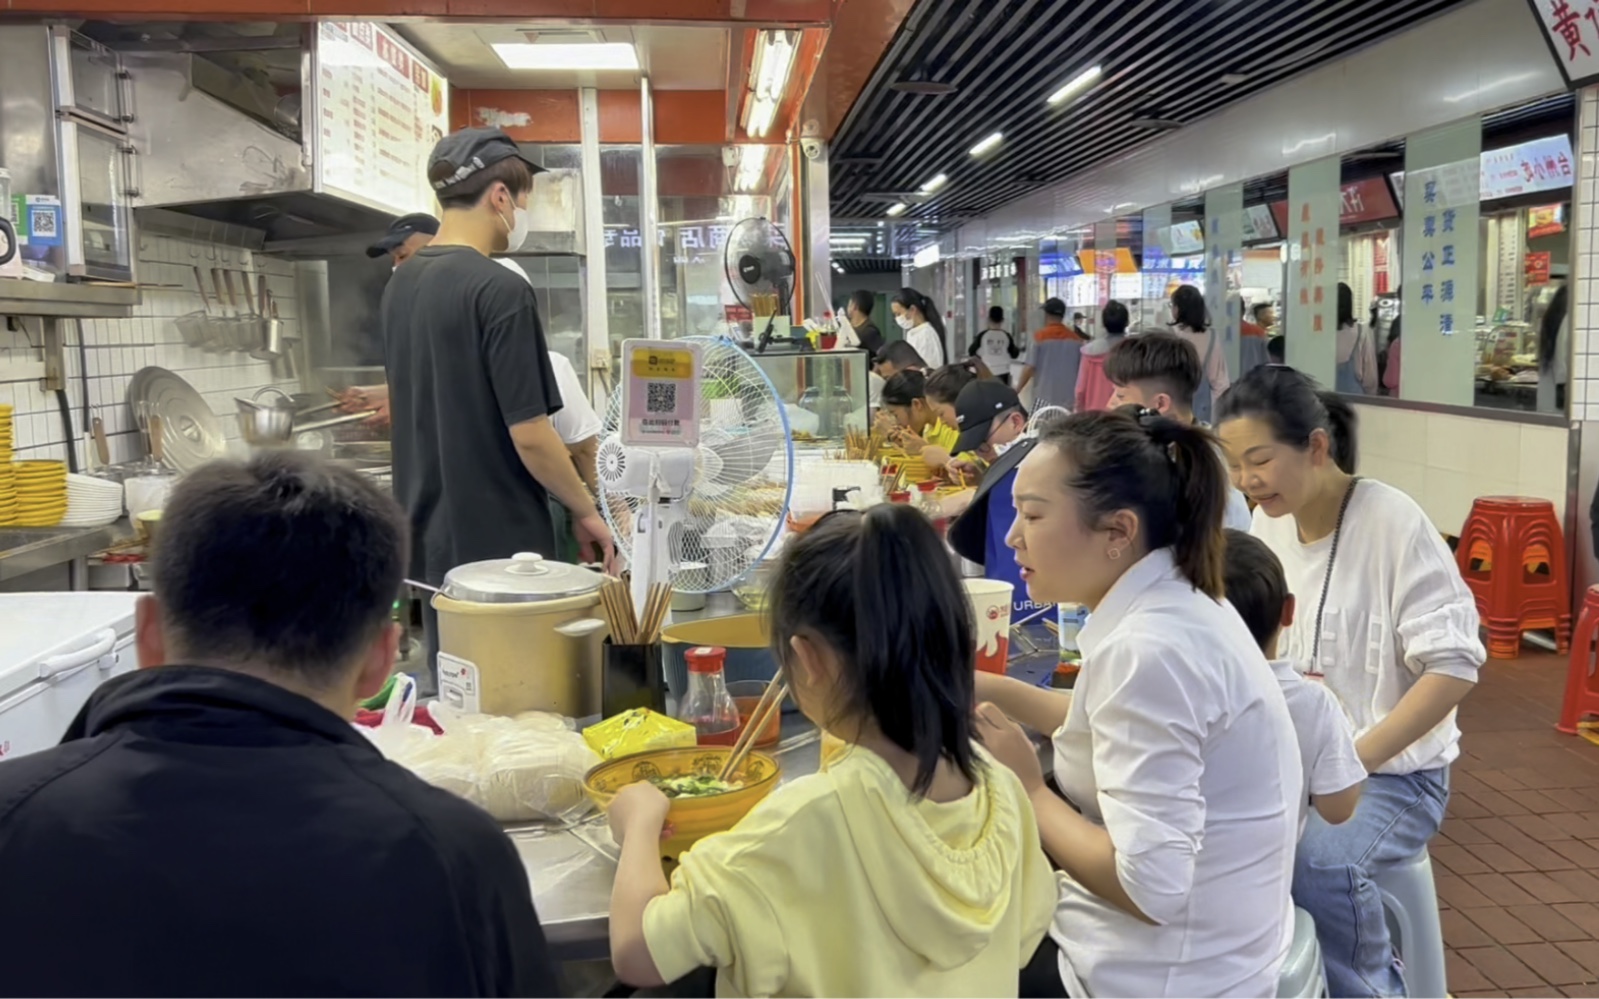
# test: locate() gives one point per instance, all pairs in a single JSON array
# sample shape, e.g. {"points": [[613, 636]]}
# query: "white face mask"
{"points": [[905, 323], [517, 229]]}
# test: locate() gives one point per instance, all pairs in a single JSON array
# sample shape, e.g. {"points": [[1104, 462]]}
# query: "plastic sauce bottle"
{"points": [[930, 505], [708, 706], [1070, 618]]}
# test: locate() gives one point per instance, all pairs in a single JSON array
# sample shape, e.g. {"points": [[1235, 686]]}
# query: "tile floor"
{"points": [[1517, 862]]}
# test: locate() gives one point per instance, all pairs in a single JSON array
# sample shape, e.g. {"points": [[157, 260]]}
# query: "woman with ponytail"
{"points": [[1176, 746], [1385, 621], [911, 864], [923, 327]]}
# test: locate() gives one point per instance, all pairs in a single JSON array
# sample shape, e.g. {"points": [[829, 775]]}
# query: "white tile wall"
{"points": [[115, 348], [1584, 384], [1446, 461]]}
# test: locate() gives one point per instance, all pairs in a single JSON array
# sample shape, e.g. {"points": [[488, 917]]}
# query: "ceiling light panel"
{"points": [[562, 56], [1079, 83]]}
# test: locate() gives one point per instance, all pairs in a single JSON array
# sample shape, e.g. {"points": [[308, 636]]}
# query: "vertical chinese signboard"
{"points": [[1571, 27], [1442, 185], [1105, 265], [1314, 200], [1224, 264]]}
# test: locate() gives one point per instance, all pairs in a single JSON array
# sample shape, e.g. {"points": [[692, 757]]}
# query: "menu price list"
{"points": [[381, 111]]}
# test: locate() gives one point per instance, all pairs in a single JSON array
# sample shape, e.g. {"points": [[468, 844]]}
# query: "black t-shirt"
{"points": [[466, 359]]}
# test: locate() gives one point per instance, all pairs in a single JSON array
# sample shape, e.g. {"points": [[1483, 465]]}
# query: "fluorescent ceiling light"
{"points": [[1079, 83], [988, 143], [751, 168], [553, 55], [935, 183], [898, 209], [774, 57]]}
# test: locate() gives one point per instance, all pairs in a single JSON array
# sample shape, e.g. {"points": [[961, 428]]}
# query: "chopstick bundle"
{"points": [[655, 608], [616, 598], [771, 700]]}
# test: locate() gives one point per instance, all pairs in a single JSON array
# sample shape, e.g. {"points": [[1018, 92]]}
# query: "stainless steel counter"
{"points": [[26, 549], [571, 868]]}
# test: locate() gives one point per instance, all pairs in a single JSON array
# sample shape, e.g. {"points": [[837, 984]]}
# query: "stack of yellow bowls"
{"points": [[8, 482], [41, 493]]}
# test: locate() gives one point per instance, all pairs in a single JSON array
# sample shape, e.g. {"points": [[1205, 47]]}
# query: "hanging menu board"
{"points": [[380, 110]]}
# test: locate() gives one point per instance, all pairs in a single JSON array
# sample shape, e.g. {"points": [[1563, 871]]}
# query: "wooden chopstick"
{"points": [[758, 720]]}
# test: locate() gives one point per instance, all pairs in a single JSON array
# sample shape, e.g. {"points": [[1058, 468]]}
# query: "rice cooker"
{"points": [[520, 634]]}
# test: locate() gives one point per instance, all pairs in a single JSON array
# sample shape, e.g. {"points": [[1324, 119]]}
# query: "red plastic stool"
{"points": [[1582, 684], [1505, 542]]}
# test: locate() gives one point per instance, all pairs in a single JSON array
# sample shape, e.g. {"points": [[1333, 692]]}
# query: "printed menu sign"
{"points": [[380, 110]]}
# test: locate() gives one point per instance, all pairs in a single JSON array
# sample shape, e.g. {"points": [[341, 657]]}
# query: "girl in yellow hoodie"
{"points": [[911, 865]]}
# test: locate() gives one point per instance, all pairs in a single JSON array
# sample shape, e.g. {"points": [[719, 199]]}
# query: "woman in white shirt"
{"points": [[1176, 744], [918, 317], [1191, 321], [1388, 624], [1357, 351]]}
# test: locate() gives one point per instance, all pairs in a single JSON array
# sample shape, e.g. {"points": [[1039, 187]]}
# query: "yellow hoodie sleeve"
{"points": [[714, 917], [1040, 885]]}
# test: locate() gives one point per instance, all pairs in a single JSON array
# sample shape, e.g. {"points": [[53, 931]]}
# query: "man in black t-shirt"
{"points": [[471, 389]]}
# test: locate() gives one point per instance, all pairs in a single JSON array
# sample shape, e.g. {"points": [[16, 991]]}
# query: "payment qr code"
{"points": [[43, 223], [662, 398]]}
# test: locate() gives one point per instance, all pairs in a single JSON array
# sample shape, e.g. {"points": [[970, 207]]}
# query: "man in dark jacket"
{"points": [[213, 825], [859, 314]]}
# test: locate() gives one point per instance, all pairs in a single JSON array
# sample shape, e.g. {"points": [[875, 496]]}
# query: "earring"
{"points": [[1115, 553]]}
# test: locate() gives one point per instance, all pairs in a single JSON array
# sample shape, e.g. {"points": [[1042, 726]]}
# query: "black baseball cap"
{"points": [[1054, 307], [471, 150], [976, 408], [402, 229]]}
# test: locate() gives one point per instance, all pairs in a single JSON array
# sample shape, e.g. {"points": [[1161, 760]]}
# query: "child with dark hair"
{"points": [[1175, 745], [1259, 593], [1394, 634], [910, 865]]}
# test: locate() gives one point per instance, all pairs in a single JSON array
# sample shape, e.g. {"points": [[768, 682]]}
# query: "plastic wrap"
{"points": [[638, 731]]}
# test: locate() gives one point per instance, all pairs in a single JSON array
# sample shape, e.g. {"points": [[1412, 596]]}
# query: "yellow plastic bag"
{"points": [[638, 731]]}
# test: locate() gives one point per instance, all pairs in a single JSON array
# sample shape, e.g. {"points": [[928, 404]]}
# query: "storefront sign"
{"points": [[1366, 201], [1224, 265], [1571, 27], [1440, 253], [1314, 200], [1537, 269], [380, 110], [1260, 225], [1187, 238], [1539, 165]]}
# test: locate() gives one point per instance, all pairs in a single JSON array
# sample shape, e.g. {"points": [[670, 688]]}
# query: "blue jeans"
{"points": [[1333, 870]]}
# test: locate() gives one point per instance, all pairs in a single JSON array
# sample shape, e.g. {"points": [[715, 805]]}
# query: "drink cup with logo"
{"points": [[991, 603]]}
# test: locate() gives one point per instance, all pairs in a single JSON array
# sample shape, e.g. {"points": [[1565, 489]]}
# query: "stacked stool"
{"points": [[1505, 540], [1582, 684]]}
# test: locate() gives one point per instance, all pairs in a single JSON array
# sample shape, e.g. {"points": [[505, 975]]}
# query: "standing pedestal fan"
{"points": [[694, 506], [759, 265]]}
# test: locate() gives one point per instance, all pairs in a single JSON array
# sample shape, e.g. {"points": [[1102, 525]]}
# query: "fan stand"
{"points": [[768, 337]]}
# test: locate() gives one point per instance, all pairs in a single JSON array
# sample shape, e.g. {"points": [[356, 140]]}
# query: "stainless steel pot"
{"points": [[520, 634], [273, 425]]}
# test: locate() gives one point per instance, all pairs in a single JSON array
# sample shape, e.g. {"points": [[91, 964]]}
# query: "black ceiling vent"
{"points": [[923, 88], [1155, 123]]}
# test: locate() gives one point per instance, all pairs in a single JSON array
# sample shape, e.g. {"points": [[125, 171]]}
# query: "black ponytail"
{"points": [[1167, 471], [908, 645], [1296, 407]]}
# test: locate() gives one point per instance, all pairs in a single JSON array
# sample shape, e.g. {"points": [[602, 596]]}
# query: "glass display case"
{"points": [[825, 392]]}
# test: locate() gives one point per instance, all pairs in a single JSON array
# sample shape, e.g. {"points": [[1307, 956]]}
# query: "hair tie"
{"points": [[1149, 423]]}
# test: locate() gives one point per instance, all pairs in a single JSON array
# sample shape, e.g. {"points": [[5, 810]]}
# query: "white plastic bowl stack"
{"points": [[92, 502]]}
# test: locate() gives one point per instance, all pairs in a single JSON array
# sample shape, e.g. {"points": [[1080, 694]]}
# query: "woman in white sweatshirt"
{"points": [[923, 327], [1386, 622]]}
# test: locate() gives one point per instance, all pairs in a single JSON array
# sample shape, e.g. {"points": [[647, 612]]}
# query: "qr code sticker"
{"points": [[43, 223], [662, 398]]}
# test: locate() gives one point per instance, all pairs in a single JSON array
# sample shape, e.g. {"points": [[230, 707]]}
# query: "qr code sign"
{"points": [[662, 398], [42, 222]]}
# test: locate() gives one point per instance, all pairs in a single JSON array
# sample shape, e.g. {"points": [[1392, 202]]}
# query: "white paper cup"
{"points": [[991, 603]]}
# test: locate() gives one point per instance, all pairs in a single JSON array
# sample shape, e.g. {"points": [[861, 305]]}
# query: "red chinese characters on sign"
{"points": [[1565, 23], [1537, 268], [1572, 29]]}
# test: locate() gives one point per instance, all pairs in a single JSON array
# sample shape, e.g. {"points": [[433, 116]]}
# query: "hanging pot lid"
{"points": [[523, 578], [191, 435]]}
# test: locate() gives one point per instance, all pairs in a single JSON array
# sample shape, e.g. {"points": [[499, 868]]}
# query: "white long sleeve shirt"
{"points": [[1179, 743], [1396, 610], [1326, 739], [928, 344], [576, 420]]}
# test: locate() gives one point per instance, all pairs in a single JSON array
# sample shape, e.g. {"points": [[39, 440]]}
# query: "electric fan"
{"points": [[700, 508], [1045, 415], [759, 265]]}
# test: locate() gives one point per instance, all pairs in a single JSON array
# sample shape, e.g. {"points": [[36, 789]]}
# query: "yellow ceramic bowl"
{"points": [[691, 819]]}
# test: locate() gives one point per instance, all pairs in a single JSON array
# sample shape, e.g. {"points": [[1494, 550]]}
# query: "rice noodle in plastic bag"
{"points": [[517, 769]]}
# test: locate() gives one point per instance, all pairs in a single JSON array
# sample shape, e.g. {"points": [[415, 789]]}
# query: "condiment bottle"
{"points": [[930, 505], [708, 706]]}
